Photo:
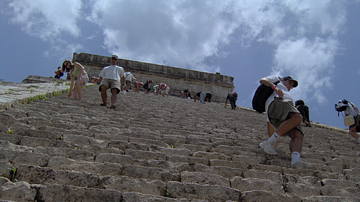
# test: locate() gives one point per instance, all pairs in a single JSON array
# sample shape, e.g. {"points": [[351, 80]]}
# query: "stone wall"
{"points": [[177, 79], [39, 79]]}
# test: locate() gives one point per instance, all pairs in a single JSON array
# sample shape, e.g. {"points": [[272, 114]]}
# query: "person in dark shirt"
{"points": [[304, 111], [232, 97], [208, 97], [146, 86], [185, 94]]}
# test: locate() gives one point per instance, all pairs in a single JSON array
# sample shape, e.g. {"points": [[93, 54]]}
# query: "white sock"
{"points": [[295, 156], [274, 138]]}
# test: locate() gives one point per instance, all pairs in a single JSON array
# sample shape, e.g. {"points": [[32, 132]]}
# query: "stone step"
{"points": [[102, 169], [12, 138], [267, 175], [44, 142], [54, 192], [352, 174], [139, 154], [41, 175], [151, 173], [333, 187], [204, 179], [203, 192], [130, 161], [39, 134], [73, 153], [261, 195], [128, 184], [133, 196], [19, 191], [330, 198], [20, 157], [249, 184]]}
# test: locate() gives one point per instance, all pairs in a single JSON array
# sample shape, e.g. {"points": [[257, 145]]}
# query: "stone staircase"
{"points": [[152, 148]]}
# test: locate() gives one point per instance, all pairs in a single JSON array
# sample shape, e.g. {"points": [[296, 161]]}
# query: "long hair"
{"points": [[64, 68]]}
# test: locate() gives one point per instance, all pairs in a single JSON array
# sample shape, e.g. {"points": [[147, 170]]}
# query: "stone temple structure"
{"points": [[177, 78]]}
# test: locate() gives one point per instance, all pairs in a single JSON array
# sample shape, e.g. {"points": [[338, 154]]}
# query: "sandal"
{"points": [[102, 104], [112, 107]]}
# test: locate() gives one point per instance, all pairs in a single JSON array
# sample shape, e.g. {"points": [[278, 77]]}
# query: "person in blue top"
{"points": [[110, 77]]}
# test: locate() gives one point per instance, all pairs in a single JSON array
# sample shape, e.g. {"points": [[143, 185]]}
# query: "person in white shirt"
{"points": [[353, 111], [284, 117], [129, 78], [110, 77]]}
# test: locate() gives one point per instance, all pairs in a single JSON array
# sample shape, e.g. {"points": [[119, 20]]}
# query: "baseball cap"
{"points": [[115, 56], [291, 79]]}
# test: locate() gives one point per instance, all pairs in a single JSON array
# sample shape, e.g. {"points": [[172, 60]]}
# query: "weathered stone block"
{"points": [[205, 192], [127, 184], [204, 179], [19, 191]]}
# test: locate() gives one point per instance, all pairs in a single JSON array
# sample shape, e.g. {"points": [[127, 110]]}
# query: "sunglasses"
{"points": [[291, 83], [113, 58]]}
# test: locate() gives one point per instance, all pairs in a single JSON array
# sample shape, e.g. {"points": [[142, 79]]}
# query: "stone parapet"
{"points": [[39, 79], [177, 79]]}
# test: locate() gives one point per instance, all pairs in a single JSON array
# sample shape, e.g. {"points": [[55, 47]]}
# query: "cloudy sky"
{"points": [[316, 42]]}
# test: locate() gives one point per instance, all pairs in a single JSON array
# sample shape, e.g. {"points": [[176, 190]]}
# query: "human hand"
{"points": [[279, 92]]}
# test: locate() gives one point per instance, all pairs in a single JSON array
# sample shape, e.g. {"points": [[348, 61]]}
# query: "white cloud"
{"points": [[310, 62], [183, 33], [179, 33], [47, 19]]}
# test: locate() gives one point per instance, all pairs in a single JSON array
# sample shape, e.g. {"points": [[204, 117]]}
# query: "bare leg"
{"points": [[113, 96], [80, 91], [78, 85], [75, 91], [294, 120], [296, 140], [270, 129], [103, 94], [353, 132]]}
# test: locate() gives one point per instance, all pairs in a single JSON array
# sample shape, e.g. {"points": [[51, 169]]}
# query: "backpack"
{"points": [[262, 93], [342, 107]]}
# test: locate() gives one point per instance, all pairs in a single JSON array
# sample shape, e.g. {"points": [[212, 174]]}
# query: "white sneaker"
{"points": [[300, 164], [268, 147]]}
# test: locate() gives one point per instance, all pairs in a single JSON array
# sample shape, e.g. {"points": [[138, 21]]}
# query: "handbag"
{"points": [[349, 120]]}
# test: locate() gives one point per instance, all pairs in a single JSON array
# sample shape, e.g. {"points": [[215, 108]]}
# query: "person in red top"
{"points": [[58, 73], [164, 89]]}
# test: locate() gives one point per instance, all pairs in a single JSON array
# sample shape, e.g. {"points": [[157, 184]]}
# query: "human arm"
{"points": [[71, 82], [270, 83]]}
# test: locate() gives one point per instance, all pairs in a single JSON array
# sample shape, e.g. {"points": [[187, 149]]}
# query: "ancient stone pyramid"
{"points": [[152, 148]]}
